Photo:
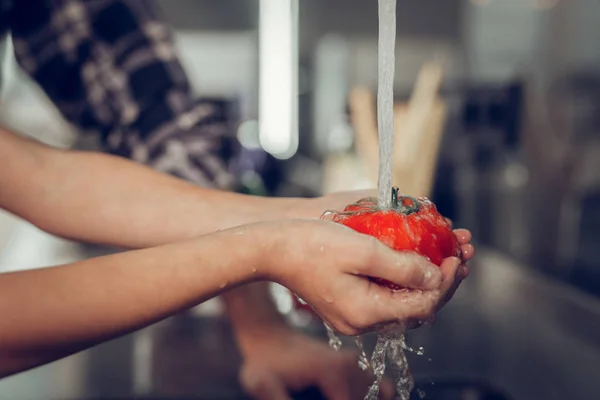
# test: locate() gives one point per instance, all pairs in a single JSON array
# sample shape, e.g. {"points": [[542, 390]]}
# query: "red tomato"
{"points": [[412, 224]]}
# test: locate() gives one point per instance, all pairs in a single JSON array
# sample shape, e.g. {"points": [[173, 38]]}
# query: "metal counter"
{"points": [[507, 326]]}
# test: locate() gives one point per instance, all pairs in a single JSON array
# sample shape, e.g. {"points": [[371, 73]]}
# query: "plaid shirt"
{"points": [[111, 67]]}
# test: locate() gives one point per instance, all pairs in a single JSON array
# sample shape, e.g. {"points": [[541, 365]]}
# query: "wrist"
{"points": [[245, 249]]}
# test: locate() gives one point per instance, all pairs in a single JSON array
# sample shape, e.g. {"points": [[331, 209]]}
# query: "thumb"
{"points": [[261, 384]]}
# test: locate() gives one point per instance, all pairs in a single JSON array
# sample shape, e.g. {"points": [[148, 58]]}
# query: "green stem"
{"points": [[395, 192], [398, 203]]}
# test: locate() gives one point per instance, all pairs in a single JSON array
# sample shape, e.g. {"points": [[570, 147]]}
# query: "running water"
{"points": [[390, 348], [391, 345], [390, 339], [385, 99]]}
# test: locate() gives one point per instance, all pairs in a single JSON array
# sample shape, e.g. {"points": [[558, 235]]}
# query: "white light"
{"points": [[278, 77]]}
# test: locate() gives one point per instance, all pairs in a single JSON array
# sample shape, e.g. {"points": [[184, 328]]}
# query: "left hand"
{"points": [[284, 361]]}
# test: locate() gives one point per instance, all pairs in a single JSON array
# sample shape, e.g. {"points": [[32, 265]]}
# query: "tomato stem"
{"points": [[400, 203], [395, 191]]}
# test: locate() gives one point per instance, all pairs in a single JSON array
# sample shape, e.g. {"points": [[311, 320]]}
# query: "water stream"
{"points": [[390, 347]]}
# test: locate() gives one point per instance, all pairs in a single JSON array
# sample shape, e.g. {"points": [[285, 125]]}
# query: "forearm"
{"points": [[51, 313], [109, 200]]}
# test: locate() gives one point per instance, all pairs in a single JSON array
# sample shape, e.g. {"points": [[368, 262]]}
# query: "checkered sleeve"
{"points": [[111, 67]]}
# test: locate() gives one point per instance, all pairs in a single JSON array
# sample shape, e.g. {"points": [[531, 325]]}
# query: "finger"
{"points": [[405, 269], [463, 272], [260, 384], [463, 235], [467, 252], [451, 270]]}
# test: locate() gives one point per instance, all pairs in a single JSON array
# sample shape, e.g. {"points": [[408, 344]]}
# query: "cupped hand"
{"points": [[284, 361], [453, 273], [328, 265]]}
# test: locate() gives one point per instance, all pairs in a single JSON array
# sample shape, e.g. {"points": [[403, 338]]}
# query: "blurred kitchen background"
{"points": [[500, 99]]}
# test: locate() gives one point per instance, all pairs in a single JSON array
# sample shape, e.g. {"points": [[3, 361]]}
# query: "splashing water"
{"points": [[390, 339], [334, 341], [378, 365], [385, 99], [363, 361], [390, 347], [399, 364], [389, 350]]}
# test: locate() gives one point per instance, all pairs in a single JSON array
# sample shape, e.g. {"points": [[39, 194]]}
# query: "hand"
{"points": [[283, 361], [314, 208], [452, 275], [327, 264], [467, 251]]}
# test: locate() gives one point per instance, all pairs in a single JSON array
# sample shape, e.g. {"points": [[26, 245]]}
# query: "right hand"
{"points": [[327, 265]]}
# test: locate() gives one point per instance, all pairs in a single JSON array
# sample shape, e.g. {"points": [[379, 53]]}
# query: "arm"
{"points": [[111, 68], [119, 293], [76, 209], [96, 300], [114, 295], [89, 206], [105, 199], [152, 118]]}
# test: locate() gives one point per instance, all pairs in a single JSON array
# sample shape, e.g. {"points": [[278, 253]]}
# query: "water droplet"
{"points": [[334, 341], [428, 273], [329, 300], [321, 249], [223, 284], [253, 270], [327, 214], [363, 361]]}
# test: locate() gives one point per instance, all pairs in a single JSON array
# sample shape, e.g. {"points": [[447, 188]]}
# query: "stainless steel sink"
{"points": [[509, 334]]}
